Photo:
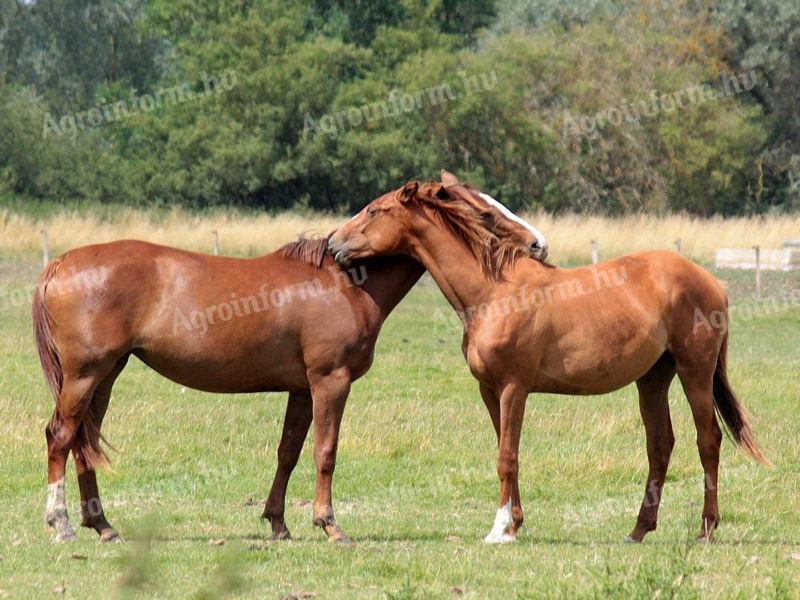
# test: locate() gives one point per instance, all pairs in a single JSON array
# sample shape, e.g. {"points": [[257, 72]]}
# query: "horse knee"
{"points": [[325, 457], [288, 457], [507, 466]]}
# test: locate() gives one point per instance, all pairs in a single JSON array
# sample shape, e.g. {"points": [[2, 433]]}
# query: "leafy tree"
{"points": [[765, 38], [594, 105]]}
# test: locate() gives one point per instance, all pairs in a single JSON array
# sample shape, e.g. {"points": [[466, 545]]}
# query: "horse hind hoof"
{"points": [[705, 539], [629, 539], [109, 536], [281, 536], [340, 539], [65, 536]]}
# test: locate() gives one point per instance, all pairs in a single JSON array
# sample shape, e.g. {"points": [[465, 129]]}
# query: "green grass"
{"points": [[415, 484]]}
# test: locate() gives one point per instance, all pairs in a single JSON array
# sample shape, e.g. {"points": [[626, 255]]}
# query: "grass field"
{"points": [[415, 485]]}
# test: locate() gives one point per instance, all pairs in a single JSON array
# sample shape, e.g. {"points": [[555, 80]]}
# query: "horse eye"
{"points": [[486, 217], [371, 211]]}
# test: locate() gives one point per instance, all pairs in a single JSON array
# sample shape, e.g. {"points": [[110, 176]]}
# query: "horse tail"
{"points": [[730, 409], [87, 440], [43, 333], [87, 436]]}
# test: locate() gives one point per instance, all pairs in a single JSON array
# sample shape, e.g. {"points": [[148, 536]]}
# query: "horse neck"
{"points": [[389, 279], [458, 273]]}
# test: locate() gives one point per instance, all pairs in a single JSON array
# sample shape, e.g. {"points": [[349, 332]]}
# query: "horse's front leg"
{"points": [[509, 515], [329, 393], [295, 428]]}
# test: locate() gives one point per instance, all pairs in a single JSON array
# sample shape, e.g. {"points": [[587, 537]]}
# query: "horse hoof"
{"points": [[108, 536], [705, 539], [340, 540], [629, 539], [281, 536], [65, 536], [505, 538]]}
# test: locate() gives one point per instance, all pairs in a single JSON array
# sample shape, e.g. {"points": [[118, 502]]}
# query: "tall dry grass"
{"points": [[240, 234], [249, 235], [570, 235]]}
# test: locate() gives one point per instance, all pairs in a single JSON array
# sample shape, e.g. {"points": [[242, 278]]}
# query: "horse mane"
{"points": [[462, 219], [308, 250]]}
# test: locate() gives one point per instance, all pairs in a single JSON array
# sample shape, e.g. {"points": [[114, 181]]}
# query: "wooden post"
{"points": [[758, 272], [595, 253], [45, 248], [216, 242], [678, 245]]}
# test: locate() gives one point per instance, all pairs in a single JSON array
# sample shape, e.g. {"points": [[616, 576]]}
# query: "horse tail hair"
{"points": [[731, 411], [43, 333], [88, 436], [87, 440]]}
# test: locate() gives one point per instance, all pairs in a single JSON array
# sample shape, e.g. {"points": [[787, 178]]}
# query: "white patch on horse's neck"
{"points": [[507, 213]]}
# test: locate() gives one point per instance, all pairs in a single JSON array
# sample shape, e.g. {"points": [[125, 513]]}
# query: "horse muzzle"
{"points": [[339, 252]]}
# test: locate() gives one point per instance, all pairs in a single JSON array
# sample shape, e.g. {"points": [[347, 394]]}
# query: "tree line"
{"points": [[602, 106]]}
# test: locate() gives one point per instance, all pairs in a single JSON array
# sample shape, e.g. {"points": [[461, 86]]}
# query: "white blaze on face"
{"points": [[507, 213], [502, 522]]}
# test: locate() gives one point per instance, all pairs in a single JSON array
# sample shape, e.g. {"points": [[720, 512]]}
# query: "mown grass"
{"points": [[415, 485]]}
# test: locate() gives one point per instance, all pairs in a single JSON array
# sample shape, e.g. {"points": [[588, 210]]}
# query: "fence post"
{"points": [[216, 242], [678, 245], [758, 272], [45, 248], [595, 253]]}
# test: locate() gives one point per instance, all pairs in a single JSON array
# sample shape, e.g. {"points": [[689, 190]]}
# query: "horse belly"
{"points": [[229, 369], [602, 361]]}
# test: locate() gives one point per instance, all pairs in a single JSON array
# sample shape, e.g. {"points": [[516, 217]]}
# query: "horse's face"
{"points": [[385, 225], [508, 225], [499, 219], [380, 228]]}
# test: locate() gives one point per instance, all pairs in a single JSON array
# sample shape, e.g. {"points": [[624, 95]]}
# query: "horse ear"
{"points": [[440, 192], [408, 191], [448, 179]]}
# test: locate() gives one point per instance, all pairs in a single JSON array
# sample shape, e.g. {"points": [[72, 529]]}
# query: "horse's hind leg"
{"points": [[698, 386], [654, 406], [295, 428], [92, 515], [60, 434]]}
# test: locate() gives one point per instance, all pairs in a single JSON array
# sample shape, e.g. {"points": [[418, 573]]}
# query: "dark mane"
{"points": [[461, 217], [307, 250]]}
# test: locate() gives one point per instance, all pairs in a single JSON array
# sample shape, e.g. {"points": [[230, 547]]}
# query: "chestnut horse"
{"points": [[532, 327], [291, 320]]}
